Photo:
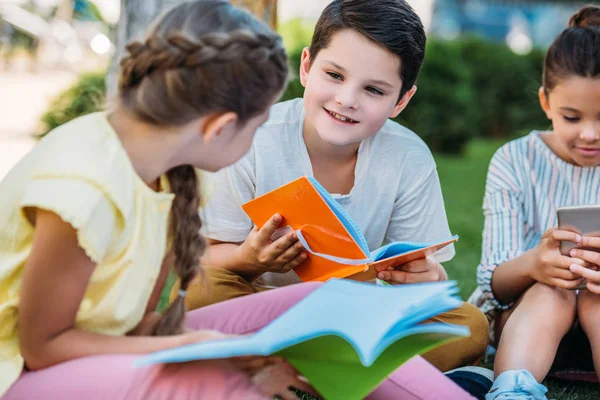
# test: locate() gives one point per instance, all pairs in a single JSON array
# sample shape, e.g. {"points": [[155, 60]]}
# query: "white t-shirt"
{"points": [[396, 194]]}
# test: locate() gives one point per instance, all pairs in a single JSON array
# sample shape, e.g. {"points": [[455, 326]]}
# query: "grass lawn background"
{"points": [[463, 184]]}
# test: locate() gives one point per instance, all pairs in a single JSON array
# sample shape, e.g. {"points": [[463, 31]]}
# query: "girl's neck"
{"points": [[151, 150]]}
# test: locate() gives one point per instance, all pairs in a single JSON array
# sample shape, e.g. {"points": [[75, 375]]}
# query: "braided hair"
{"points": [[199, 58]]}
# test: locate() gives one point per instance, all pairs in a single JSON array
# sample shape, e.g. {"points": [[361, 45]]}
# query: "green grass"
{"points": [[463, 184]]}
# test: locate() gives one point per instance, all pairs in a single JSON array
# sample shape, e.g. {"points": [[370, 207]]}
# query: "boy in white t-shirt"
{"points": [[359, 71]]}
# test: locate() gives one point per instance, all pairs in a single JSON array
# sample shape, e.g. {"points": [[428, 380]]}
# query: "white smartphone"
{"points": [[584, 220]]}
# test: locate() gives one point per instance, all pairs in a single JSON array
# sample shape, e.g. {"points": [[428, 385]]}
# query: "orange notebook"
{"points": [[336, 246]]}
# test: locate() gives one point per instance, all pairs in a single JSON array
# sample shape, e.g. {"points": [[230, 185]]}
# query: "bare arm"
{"points": [[54, 281], [512, 278], [227, 256], [543, 263]]}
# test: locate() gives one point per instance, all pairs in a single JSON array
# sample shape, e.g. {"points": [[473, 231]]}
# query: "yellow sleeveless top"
{"points": [[81, 172]]}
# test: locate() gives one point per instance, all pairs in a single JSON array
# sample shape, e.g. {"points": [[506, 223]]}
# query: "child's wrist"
{"points": [[243, 265], [533, 263]]}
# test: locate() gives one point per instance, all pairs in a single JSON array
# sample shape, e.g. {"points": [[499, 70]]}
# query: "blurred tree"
{"points": [[136, 16], [264, 9], [65, 10]]}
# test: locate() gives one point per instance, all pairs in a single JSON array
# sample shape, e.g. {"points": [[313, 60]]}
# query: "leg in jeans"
{"points": [[215, 286], [462, 352]]}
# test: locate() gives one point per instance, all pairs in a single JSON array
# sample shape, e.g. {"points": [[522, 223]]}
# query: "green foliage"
{"points": [[442, 111], [467, 88], [294, 88], [84, 97], [506, 87], [296, 33], [470, 87]]}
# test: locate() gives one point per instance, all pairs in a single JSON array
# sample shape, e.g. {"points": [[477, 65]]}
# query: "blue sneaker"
{"points": [[476, 381], [517, 384]]}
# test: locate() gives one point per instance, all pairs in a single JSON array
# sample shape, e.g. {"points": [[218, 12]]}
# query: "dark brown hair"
{"points": [[576, 51], [392, 24], [199, 58]]}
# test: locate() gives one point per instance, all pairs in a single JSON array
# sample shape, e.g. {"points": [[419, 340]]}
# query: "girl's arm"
{"points": [[544, 263], [512, 278], [54, 281]]}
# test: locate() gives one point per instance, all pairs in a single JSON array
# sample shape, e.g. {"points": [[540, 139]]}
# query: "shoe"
{"points": [[517, 384], [476, 381]]}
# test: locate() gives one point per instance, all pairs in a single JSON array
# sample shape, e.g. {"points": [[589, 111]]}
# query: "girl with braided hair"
{"points": [[95, 217]]}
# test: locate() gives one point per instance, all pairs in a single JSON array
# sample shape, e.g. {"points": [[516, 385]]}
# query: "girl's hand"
{"points": [[266, 255], [272, 375], [551, 267], [417, 271], [592, 275], [276, 379], [592, 258]]}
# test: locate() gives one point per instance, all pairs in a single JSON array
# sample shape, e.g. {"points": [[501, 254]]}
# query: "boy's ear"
{"points": [[214, 125], [403, 102], [304, 66], [544, 102]]}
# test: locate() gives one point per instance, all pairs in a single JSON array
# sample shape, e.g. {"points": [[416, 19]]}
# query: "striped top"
{"points": [[526, 183]]}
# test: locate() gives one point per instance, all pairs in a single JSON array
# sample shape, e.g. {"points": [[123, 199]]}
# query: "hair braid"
{"points": [[188, 244], [179, 51], [199, 58]]}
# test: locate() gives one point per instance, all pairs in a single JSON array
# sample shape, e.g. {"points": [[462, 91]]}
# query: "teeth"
{"points": [[340, 117]]}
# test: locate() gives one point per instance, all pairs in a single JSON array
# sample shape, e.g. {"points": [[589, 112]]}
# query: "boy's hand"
{"points": [[551, 267], [417, 271], [266, 255]]}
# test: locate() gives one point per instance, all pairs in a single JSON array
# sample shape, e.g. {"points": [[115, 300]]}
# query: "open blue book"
{"points": [[346, 337], [337, 247]]}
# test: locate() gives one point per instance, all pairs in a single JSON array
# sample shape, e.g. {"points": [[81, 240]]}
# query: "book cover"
{"points": [[336, 246]]}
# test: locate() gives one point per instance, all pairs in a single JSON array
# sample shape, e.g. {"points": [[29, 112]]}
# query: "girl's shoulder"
{"points": [[86, 149], [526, 147]]}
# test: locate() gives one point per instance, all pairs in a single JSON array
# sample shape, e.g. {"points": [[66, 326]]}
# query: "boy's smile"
{"points": [[352, 88], [340, 118]]}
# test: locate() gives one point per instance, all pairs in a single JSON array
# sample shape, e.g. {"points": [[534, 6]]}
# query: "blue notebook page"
{"points": [[389, 250], [342, 215], [343, 308], [334, 338], [395, 248]]}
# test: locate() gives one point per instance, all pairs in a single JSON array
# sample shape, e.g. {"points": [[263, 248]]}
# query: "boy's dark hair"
{"points": [[392, 24], [576, 51]]}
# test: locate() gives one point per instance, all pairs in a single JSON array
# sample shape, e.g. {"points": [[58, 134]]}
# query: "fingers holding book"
{"points": [[272, 248], [418, 271]]}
